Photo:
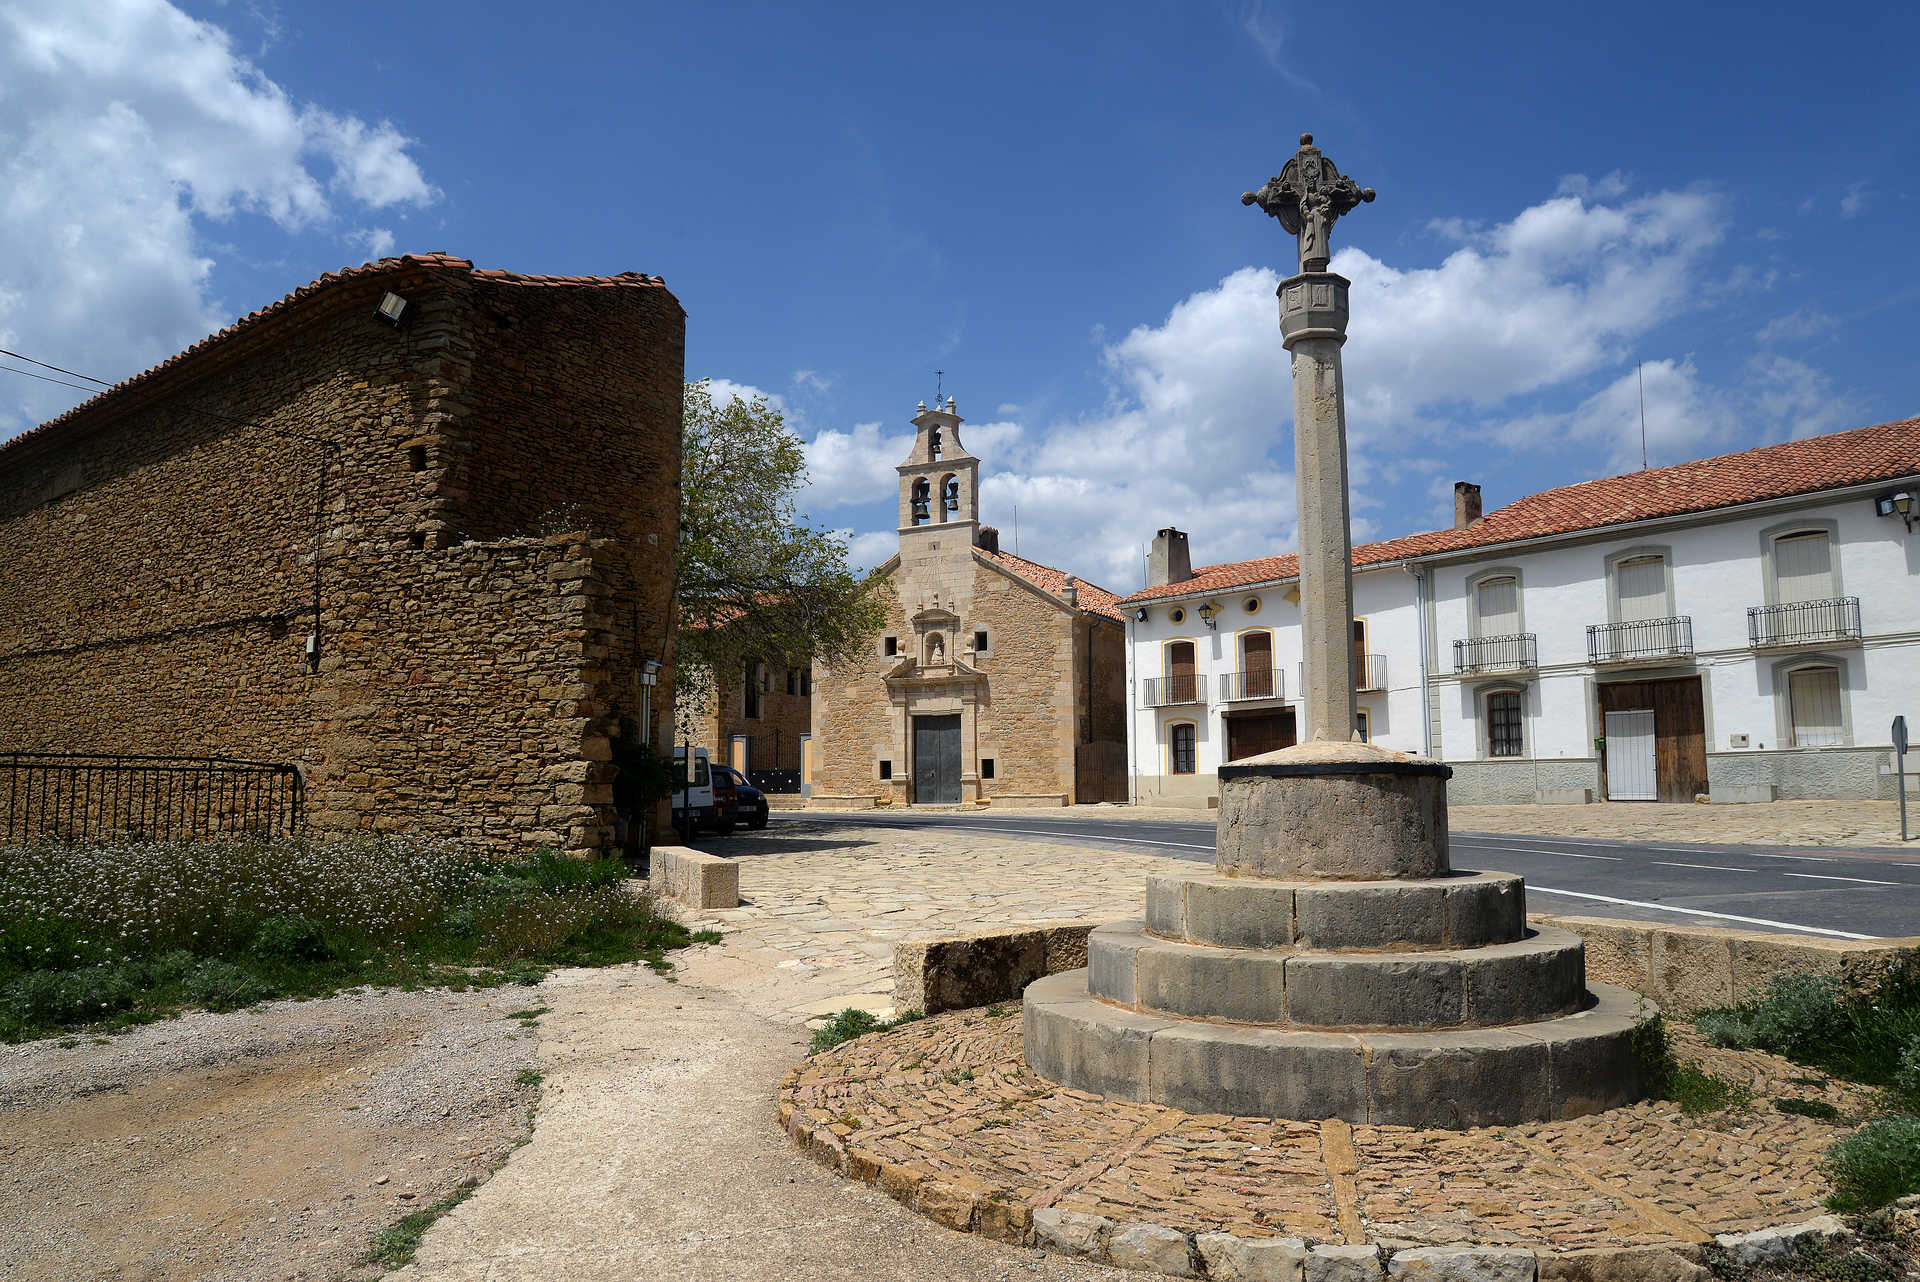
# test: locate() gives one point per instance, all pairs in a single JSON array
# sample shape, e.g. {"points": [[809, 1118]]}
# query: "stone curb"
{"points": [[969, 1205]]}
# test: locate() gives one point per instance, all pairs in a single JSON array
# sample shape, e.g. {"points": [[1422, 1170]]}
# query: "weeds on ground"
{"points": [[1876, 1252], [394, 1245], [103, 935], [1808, 1108], [1874, 1165], [851, 1023], [529, 1077], [1685, 1082], [1872, 1038]]}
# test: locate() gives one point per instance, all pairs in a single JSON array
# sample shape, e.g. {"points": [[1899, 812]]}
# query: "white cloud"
{"points": [[125, 128], [1798, 325], [811, 381], [1859, 196], [854, 466], [865, 551]]}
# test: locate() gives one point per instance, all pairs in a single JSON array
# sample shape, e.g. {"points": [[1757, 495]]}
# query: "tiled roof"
{"points": [[1886, 452], [1091, 596], [436, 263]]}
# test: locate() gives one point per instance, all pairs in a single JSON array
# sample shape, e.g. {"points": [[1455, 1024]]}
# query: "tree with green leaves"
{"points": [[757, 582]]}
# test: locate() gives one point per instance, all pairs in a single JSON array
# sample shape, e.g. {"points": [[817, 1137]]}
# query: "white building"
{"points": [[1744, 627]]}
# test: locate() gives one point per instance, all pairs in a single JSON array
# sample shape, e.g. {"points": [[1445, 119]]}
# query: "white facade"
{"points": [[1773, 643]]}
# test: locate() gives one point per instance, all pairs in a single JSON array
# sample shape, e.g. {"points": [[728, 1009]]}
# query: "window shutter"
{"points": [[1499, 605], [1813, 694], [1643, 588], [1803, 567]]}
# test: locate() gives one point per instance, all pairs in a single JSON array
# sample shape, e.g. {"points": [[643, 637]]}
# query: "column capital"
{"points": [[1313, 305]]}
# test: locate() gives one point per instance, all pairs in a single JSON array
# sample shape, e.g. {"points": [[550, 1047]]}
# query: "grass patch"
{"points": [[104, 935], [1876, 1164], [1808, 1108], [394, 1245], [851, 1023], [529, 1077], [1872, 1038], [1684, 1082]]}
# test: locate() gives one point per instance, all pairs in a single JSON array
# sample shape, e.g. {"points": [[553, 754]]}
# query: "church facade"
{"points": [[997, 680]]}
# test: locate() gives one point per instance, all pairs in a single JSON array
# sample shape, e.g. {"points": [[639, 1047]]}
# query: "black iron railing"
{"points": [[1162, 692], [1640, 639], [1518, 652], [74, 796], [1804, 622], [1253, 683], [1370, 671]]}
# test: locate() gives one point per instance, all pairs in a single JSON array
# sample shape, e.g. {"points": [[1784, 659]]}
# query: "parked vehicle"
{"points": [[726, 800], [752, 807], [694, 805]]}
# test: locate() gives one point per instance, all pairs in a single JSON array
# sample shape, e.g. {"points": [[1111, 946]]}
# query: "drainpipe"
{"points": [[1133, 774], [1421, 587]]}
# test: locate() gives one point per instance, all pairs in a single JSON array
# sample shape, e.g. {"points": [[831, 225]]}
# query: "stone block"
{"points": [[1167, 906], [1234, 912], [1771, 1245], [1088, 1045], [1369, 916], [1113, 956], [1360, 813], [1622, 1264], [947, 1204], [1618, 952], [1343, 1264], [1066, 945], [1004, 1221], [1692, 970], [1456, 1080], [1490, 908], [1203, 1068], [1537, 978], [1246, 986], [953, 972], [1740, 794], [1563, 797], [1462, 1264], [1071, 1232], [1759, 959], [1230, 1258], [1389, 990], [693, 878], [1591, 1053], [1152, 1249]]}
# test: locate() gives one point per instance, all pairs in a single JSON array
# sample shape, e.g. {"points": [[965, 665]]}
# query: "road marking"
{"points": [[1864, 881], [1529, 850], [1755, 854], [1700, 912], [1090, 836], [1661, 863]]}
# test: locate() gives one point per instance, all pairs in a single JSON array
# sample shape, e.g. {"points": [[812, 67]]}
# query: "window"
{"points": [[1803, 567], [986, 767], [980, 642], [886, 770], [806, 682], [793, 681], [1504, 710], [1181, 742], [766, 677], [1642, 585], [417, 458], [1362, 725], [1177, 615], [1251, 605], [1496, 602], [922, 501], [1181, 686], [889, 646], [933, 442], [1813, 699], [949, 498], [752, 690], [1256, 665]]}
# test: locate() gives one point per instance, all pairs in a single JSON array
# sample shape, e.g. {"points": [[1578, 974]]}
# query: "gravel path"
{"points": [[270, 1143]]}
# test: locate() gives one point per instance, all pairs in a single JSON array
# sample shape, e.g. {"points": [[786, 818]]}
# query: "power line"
{"points": [[55, 368], [79, 387]]}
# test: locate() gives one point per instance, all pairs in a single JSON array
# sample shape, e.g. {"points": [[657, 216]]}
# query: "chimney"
{"points": [[1466, 504], [1169, 563], [1072, 592], [987, 539]]}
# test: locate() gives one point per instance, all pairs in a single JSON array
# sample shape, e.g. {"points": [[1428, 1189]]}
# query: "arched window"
{"points": [[1181, 736], [1496, 604], [922, 501], [933, 442], [1180, 672], [1506, 721], [1256, 665], [950, 497], [1813, 702]]}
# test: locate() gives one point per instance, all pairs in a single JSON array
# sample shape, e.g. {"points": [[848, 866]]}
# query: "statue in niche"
{"points": [[936, 651]]}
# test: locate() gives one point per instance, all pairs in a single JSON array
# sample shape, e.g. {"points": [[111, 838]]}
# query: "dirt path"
{"points": [[271, 1143]]}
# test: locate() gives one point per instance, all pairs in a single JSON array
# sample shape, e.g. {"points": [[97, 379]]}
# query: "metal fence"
{"points": [[1804, 622], [1640, 639], [70, 796], [1161, 692], [1517, 652]]}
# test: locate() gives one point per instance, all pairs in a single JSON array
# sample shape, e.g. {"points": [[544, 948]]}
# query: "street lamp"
{"points": [[1899, 503], [1207, 611]]}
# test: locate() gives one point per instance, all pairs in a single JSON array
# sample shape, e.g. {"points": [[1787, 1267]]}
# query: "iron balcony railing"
{"points": [[1370, 671], [1640, 639], [1519, 652], [79, 796], [1253, 683], [1804, 622], [1165, 692]]}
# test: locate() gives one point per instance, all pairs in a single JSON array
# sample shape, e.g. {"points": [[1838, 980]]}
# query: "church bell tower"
{"points": [[939, 483]]}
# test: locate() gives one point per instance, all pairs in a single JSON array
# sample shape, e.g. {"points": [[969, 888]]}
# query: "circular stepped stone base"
{"points": [[1557, 1068], [1461, 910], [1539, 977]]}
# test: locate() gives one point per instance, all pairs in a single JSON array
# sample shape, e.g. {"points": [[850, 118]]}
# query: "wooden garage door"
{"points": [[1679, 730], [1252, 734]]}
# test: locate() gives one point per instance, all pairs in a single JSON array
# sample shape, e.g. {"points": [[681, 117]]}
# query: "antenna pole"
{"points": [[1016, 529], [1641, 375]]}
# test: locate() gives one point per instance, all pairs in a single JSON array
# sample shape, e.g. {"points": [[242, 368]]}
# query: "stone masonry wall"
{"points": [[157, 553], [1028, 724]]}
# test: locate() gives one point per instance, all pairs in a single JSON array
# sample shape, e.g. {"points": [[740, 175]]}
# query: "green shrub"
{"points": [[1810, 1019], [1808, 1108], [220, 985], [1688, 1085], [290, 939], [1875, 1165], [1906, 1075], [851, 1023], [1797, 1012]]}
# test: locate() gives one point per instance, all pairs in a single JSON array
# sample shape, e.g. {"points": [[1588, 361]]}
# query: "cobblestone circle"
{"points": [[944, 1115]]}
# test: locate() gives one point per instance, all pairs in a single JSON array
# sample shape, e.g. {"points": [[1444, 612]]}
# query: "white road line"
{"points": [[1755, 854], [1528, 850], [1090, 836], [1661, 863], [1864, 881], [1698, 912]]}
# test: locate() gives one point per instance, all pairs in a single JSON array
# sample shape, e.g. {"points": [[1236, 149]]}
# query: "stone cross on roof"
{"points": [[1307, 196]]}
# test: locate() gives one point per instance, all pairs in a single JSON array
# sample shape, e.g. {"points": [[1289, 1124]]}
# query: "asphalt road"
{"points": [[1844, 894]]}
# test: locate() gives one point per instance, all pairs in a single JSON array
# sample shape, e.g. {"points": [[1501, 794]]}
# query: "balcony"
{"points": [[1804, 623], [1170, 692], [1254, 683], [1519, 652], [1641, 640], [1369, 672]]}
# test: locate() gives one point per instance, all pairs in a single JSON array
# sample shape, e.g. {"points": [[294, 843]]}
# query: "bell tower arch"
{"points": [[940, 481]]}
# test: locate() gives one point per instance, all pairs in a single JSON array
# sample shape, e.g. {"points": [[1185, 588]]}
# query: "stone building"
{"points": [[997, 679], [411, 527], [759, 723]]}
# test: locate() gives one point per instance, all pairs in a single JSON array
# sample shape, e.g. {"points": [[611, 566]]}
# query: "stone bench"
{"points": [[954, 972], [693, 878]]}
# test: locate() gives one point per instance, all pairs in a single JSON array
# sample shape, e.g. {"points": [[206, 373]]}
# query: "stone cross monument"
{"points": [[1307, 197], [1334, 964]]}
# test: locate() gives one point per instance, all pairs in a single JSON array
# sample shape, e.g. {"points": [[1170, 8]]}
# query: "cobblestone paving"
{"points": [[949, 1103]]}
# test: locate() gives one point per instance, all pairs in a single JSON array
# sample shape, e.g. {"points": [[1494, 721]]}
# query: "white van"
{"points": [[693, 805]]}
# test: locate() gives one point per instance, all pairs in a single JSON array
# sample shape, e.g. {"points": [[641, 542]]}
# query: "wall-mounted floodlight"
{"points": [[1141, 614], [1899, 503], [392, 309]]}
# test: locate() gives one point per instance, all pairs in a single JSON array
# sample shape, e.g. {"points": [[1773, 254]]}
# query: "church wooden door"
{"points": [[936, 760]]}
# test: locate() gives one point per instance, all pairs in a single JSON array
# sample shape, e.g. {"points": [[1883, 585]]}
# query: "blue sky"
{"points": [[1042, 201]]}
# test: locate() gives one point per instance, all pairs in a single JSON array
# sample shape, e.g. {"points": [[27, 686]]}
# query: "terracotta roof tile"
{"points": [[53, 427], [1091, 596], [1886, 452]]}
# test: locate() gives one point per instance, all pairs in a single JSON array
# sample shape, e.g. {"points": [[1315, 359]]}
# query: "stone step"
{"points": [[1539, 977], [1566, 1067], [1464, 910]]}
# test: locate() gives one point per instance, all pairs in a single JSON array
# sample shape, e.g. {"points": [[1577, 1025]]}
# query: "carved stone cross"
{"points": [[1307, 196]]}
